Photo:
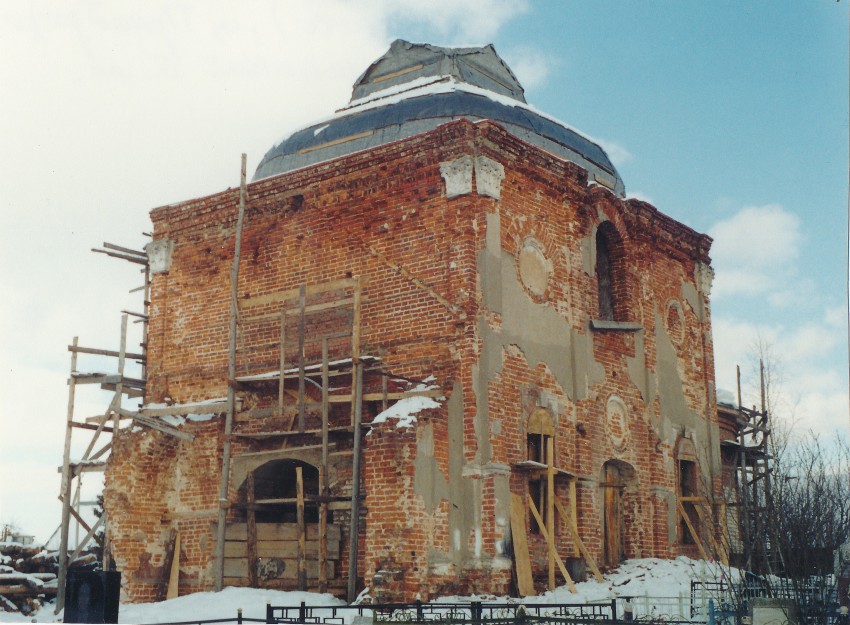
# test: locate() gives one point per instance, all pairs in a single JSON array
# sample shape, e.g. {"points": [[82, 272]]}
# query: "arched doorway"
{"points": [[275, 491], [616, 476]]}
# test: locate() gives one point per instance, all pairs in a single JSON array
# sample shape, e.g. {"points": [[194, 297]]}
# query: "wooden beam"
{"points": [[174, 571], [323, 476], [302, 532], [251, 517], [550, 540], [313, 289], [104, 352], [302, 302], [354, 528], [224, 486], [550, 508], [281, 390], [591, 562], [519, 540], [684, 514]]}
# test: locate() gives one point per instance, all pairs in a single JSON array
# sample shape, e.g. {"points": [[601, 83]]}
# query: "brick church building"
{"points": [[458, 359]]}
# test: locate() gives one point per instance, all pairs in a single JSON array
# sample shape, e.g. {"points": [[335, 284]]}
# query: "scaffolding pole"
{"points": [[231, 382]]}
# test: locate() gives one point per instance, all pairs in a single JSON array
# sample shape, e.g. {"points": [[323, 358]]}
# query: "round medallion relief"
{"points": [[616, 423], [534, 268]]}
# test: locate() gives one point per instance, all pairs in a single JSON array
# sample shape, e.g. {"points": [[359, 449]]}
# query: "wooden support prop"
{"points": [[302, 531], [323, 476], [709, 530], [302, 302], [65, 488], [550, 540], [573, 520], [251, 515], [174, 573], [168, 559], [550, 508], [579, 542], [224, 487], [85, 541], [354, 527], [684, 514], [282, 359], [519, 540], [355, 348]]}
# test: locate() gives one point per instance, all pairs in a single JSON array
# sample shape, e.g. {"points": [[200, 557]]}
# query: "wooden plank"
{"points": [[302, 329], [573, 518], [323, 472], [281, 549], [550, 509], [104, 352], [233, 326], [281, 390], [89, 426], [280, 531], [354, 523], [684, 514], [174, 573], [522, 559], [190, 408], [302, 531], [578, 541], [308, 310], [721, 553], [251, 526], [550, 540], [313, 289], [160, 427]]}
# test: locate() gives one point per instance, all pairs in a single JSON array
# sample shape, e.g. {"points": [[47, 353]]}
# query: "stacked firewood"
{"points": [[27, 577]]}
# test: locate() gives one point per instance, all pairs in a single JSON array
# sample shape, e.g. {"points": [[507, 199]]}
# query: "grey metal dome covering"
{"points": [[414, 88]]}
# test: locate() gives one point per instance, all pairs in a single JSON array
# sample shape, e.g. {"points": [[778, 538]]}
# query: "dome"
{"points": [[415, 88]]}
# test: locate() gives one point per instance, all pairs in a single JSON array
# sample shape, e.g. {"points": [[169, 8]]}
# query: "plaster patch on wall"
{"points": [[428, 481], [159, 255], [461, 511], [673, 404], [458, 176], [694, 299]]}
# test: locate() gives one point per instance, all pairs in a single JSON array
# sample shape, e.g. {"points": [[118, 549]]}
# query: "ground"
{"points": [[644, 580]]}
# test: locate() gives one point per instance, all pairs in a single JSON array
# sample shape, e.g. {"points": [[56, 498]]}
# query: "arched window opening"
{"points": [[275, 491], [540, 429], [610, 273]]}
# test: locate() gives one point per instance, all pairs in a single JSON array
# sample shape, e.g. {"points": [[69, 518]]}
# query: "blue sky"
{"points": [[731, 117]]}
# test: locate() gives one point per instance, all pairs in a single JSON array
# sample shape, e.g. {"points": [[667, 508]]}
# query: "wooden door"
{"points": [[613, 515]]}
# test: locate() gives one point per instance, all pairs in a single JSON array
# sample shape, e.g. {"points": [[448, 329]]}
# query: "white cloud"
{"points": [[811, 393], [530, 66], [618, 154], [473, 22], [754, 252], [640, 195], [120, 108]]}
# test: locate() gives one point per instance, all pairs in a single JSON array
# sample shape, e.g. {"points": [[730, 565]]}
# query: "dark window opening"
{"points": [[610, 274], [276, 492], [688, 488]]}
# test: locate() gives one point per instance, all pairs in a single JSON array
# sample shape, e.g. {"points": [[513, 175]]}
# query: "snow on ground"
{"points": [[649, 577]]}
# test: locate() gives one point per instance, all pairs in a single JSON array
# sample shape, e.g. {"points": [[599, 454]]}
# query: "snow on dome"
{"points": [[413, 89]]}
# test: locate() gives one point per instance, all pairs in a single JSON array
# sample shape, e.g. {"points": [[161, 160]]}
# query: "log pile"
{"points": [[27, 577]]}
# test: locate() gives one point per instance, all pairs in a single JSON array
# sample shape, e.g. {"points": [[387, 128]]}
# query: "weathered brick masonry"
{"points": [[479, 255]]}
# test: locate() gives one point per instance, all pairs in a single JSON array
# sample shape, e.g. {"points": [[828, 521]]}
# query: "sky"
{"points": [[730, 117]]}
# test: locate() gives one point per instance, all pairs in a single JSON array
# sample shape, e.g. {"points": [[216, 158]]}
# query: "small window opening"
{"points": [[688, 488], [539, 432], [610, 274]]}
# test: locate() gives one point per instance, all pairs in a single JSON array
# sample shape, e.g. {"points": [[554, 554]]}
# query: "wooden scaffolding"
{"points": [[99, 428]]}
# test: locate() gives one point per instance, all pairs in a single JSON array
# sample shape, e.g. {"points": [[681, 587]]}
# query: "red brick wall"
{"points": [[369, 215]]}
